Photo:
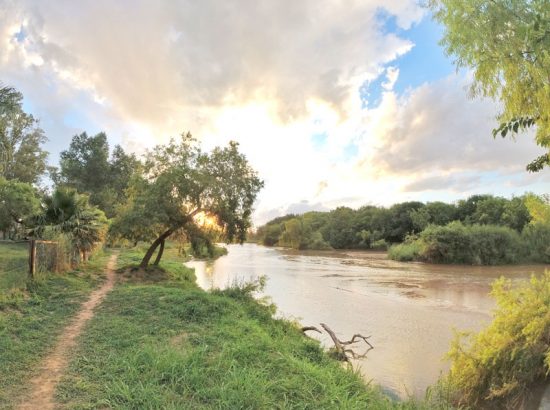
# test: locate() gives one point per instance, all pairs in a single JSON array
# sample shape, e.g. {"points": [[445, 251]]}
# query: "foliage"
{"points": [[86, 167], [21, 155], [406, 251], [68, 212], [499, 365], [537, 239], [538, 207], [400, 222], [181, 183], [338, 230], [506, 43], [456, 243], [19, 201], [372, 227]]}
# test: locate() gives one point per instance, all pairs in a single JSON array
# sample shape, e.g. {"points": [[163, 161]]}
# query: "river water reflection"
{"points": [[410, 309]]}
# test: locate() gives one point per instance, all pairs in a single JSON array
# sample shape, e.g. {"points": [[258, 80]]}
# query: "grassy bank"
{"points": [[31, 319], [158, 341]]}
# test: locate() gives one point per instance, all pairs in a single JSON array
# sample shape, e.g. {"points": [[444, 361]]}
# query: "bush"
{"points": [[495, 245], [379, 245], [456, 243], [498, 366], [537, 238], [405, 252], [446, 244]]}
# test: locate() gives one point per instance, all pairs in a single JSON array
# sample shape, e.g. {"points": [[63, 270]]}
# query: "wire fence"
{"points": [[24, 260], [14, 264]]}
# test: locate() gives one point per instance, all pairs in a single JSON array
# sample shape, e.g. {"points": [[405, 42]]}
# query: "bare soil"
{"points": [[50, 371]]}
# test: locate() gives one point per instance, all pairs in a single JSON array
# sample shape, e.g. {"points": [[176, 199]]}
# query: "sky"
{"points": [[334, 103]]}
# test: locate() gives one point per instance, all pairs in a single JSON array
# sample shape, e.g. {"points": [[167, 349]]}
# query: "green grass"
{"points": [[13, 265], [167, 344], [31, 319], [405, 252]]}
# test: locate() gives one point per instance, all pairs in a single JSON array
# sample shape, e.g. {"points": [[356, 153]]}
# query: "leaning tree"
{"points": [[181, 184]]}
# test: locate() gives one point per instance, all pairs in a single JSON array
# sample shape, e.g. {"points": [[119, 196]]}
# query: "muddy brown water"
{"points": [[409, 309]]}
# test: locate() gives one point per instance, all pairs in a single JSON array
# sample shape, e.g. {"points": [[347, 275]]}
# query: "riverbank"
{"points": [[410, 309], [159, 341]]}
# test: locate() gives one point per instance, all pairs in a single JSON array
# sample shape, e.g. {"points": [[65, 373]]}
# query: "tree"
{"points": [[505, 43], [68, 212], [467, 207], [401, 224], [181, 182], [19, 201], [86, 167], [538, 207], [339, 230], [21, 154], [489, 211]]}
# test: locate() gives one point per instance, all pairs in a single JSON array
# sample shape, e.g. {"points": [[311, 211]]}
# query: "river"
{"points": [[408, 309]]}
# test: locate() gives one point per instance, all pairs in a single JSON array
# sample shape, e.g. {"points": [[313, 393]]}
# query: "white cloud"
{"points": [[267, 74], [392, 73], [437, 128]]}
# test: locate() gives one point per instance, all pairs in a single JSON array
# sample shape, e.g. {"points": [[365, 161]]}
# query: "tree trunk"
{"points": [[149, 254], [159, 254]]}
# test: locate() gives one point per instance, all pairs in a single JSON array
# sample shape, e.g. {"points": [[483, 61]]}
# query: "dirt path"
{"points": [[41, 395]]}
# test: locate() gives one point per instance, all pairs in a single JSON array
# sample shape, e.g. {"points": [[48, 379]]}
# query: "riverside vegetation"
{"points": [[181, 347], [177, 345], [481, 230]]}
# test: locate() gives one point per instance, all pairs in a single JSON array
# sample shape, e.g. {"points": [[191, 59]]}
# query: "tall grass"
{"points": [[31, 320], [406, 251], [169, 344]]}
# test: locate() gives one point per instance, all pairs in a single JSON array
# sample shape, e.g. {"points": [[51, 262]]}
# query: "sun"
{"points": [[206, 221]]}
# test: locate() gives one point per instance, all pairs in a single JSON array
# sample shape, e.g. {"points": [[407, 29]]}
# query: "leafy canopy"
{"points": [[507, 45], [86, 167], [181, 182], [19, 201], [70, 213], [21, 153]]}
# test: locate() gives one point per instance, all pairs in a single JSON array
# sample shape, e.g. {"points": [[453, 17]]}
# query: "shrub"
{"points": [[537, 239], [494, 245], [379, 245], [405, 252], [446, 244], [497, 366], [456, 243]]}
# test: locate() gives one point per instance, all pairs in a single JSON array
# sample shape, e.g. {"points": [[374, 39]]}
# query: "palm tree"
{"points": [[68, 212]]}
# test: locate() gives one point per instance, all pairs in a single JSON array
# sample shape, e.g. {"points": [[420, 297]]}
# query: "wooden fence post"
{"points": [[32, 258]]}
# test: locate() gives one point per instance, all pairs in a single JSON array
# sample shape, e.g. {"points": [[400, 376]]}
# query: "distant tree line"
{"points": [[374, 227], [175, 190]]}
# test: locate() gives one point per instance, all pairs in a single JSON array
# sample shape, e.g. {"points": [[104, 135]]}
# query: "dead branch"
{"points": [[307, 328], [341, 352]]}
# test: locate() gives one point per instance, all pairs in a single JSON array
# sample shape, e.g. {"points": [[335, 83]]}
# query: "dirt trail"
{"points": [[42, 387]]}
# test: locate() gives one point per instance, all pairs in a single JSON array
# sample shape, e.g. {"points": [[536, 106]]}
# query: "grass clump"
{"points": [[31, 320], [405, 252], [497, 367], [170, 344]]}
